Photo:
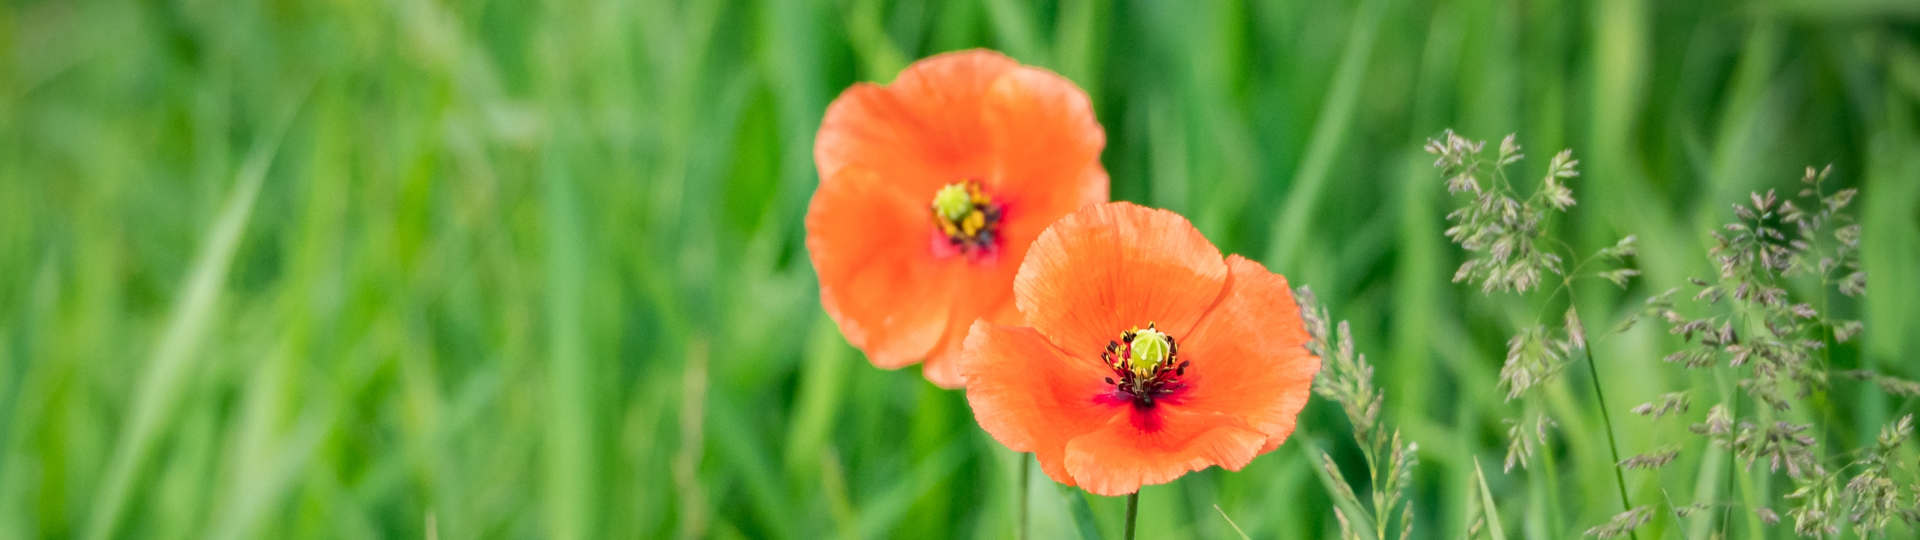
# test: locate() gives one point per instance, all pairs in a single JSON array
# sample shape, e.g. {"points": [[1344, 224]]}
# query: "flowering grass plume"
{"points": [[1765, 318], [1505, 233], [1347, 379], [1507, 236], [1623, 523], [1750, 318], [1510, 246]]}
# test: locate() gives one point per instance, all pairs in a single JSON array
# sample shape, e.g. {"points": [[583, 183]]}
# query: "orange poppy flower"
{"points": [[931, 189], [1148, 355]]}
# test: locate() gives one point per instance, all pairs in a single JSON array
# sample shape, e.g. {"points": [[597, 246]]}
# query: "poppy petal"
{"points": [[943, 366], [868, 247], [1126, 453], [919, 133], [1110, 267], [1030, 395], [1044, 130], [1249, 356], [1029, 212]]}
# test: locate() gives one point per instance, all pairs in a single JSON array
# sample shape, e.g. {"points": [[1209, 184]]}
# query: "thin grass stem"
{"points": [[1554, 521], [1732, 401], [1606, 415]]}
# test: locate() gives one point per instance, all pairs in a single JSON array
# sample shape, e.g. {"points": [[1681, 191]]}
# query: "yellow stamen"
{"points": [[973, 223]]}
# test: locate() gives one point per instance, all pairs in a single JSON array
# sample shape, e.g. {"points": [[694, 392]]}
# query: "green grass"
{"points": [[509, 269]]}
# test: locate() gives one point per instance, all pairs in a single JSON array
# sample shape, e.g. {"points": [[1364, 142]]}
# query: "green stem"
{"points": [[1020, 513], [1552, 476], [1606, 416], [1732, 462], [1729, 393], [1133, 509], [1745, 320], [1824, 400]]}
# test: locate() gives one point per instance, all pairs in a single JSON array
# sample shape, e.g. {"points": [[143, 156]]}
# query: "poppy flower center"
{"points": [[1146, 365], [967, 216]]}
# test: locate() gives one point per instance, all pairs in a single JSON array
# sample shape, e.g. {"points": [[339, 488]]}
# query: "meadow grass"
{"points": [[511, 269]]}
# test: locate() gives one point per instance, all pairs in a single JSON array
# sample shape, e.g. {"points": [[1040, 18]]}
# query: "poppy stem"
{"points": [[1026, 471], [1133, 509]]}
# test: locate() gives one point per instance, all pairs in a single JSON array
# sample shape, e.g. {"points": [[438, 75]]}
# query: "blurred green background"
{"points": [[479, 268]]}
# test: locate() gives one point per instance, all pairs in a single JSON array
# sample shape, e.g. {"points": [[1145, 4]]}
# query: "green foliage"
{"points": [[514, 269]]}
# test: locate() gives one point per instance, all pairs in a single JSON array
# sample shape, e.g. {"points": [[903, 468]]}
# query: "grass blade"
{"points": [[888, 508], [569, 438], [162, 385], [1081, 512], [1336, 115], [1487, 508]]}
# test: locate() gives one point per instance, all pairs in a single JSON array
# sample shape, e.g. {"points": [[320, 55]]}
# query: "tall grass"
{"points": [[368, 269]]}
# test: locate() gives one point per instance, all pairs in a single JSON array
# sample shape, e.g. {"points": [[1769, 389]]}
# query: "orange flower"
{"points": [[1148, 355], [931, 188]]}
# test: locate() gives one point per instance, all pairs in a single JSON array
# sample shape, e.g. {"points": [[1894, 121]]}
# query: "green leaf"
{"points": [[1487, 508], [1082, 513]]}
